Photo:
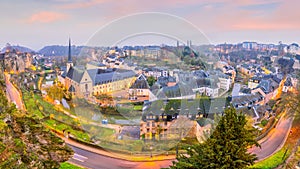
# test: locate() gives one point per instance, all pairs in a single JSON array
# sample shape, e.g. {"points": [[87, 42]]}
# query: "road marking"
{"points": [[78, 159], [80, 156]]}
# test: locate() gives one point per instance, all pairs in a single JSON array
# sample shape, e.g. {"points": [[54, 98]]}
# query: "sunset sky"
{"points": [[36, 23]]}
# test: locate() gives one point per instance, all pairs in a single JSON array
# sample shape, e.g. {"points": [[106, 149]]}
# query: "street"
{"points": [[269, 146], [13, 93], [96, 161], [275, 140]]}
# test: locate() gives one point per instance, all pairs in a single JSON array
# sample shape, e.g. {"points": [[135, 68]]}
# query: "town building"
{"points": [[140, 89], [95, 78]]}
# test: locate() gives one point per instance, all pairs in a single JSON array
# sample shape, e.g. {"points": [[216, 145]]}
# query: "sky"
{"points": [[37, 23]]}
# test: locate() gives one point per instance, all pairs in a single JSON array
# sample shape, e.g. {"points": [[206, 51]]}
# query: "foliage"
{"points": [[104, 97], [272, 103], [151, 80], [56, 91], [225, 148], [286, 66], [24, 142], [29, 144], [291, 101], [250, 122], [264, 122]]}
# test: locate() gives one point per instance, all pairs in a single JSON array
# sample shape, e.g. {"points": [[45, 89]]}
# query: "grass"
{"points": [[273, 161], [31, 106], [81, 135], [138, 107], [67, 165], [105, 132], [57, 117]]}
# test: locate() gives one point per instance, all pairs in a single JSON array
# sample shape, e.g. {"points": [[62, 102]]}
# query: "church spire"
{"points": [[69, 62], [69, 52]]}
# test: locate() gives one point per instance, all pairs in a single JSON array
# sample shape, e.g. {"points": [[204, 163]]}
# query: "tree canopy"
{"points": [[24, 141], [225, 148]]}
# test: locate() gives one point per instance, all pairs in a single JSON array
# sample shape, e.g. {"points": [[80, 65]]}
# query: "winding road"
{"points": [[96, 161], [269, 145], [275, 140], [13, 94]]}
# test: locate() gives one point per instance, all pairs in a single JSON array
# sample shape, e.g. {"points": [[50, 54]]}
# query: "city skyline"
{"points": [[35, 24]]}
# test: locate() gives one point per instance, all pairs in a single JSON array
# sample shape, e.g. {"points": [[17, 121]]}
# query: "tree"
{"points": [[291, 101], [24, 141], [151, 80], [225, 148], [56, 91]]}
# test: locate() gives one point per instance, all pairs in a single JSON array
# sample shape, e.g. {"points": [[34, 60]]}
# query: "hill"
{"points": [[57, 50]]}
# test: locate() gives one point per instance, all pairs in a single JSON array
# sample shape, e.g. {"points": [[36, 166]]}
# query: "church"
{"points": [[95, 78]]}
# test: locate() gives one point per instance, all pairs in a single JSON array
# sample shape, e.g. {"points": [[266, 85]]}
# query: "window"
{"points": [[86, 87]]}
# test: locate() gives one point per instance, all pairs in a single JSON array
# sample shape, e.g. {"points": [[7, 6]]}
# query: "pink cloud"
{"points": [[46, 17], [82, 4], [255, 2], [136, 4], [229, 16], [285, 17], [258, 25]]}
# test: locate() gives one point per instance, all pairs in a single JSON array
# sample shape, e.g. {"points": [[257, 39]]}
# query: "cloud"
{"points": [[256, 2], [46, 17], [82, 4]]}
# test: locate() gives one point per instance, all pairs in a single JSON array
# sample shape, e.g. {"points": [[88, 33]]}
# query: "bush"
{"points": [[264, 122]]}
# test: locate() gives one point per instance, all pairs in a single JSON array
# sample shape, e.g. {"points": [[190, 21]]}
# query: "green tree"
{"points": [[151, 80], [225, 148], [24, 141], [291, 102], [56, 91]]}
